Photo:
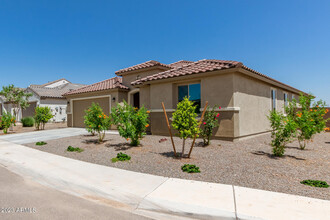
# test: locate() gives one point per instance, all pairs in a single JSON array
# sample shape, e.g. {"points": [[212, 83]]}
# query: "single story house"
{"points": [[48, 94], [6, 106], [245, 95]]}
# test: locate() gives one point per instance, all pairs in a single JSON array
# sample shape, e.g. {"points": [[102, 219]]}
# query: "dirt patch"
{"points": [[20, 129], [246, 163]]}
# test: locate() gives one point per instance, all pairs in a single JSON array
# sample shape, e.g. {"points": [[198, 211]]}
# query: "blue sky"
{"points": [[87, 41]]}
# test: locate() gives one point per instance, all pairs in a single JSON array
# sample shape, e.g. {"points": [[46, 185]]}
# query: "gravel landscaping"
{"points": [[246, 163]]}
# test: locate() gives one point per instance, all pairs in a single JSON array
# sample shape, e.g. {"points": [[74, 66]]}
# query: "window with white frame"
{"points": [[273, 98], [286, 101], [285, 98]]}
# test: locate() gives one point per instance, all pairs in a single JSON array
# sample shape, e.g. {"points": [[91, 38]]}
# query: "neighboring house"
{"points": [[2, 105], [245, 95], [6, 106], [49, 94]]}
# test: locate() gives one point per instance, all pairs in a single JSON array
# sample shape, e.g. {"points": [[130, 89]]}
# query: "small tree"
{"points": [[41, 116], [131, 122], [303, 120], [184, 121], [309, 119], [17, 97], [283, 129], [96, 121], [6, 121], [210, 122]]}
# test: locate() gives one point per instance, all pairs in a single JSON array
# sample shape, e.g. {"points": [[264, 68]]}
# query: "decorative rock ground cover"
{"points": [[246, 163]]}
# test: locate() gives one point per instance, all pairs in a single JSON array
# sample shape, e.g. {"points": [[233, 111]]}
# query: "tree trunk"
{"points": [[183, 144], [302, 144], [101, 136]]}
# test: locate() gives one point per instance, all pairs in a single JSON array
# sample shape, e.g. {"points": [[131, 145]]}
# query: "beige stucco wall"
{"points": [[161, 92], [145, 96], [132, 76], [216, 89], [253, 97]]}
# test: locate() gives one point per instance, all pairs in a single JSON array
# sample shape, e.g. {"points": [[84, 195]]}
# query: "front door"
{"points": [[136, 100]]}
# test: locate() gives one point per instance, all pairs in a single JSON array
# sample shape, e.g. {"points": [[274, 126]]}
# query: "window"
{"points": [[193, 91], [285, 98], [273, 98]]}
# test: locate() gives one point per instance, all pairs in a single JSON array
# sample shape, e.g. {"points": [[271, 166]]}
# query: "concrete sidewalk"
{"points": [[156, 196], [45, 135]]}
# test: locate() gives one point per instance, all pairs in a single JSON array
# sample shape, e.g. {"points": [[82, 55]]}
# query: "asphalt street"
{"points": [[25, 199]]}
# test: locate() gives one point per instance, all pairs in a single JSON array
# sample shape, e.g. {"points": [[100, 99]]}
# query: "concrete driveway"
{"points": [[45, 135]]}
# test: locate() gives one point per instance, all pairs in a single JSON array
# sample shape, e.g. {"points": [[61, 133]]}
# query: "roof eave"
{"points": [[184, 77], [142, 70], [255, 74], [80, 93]]}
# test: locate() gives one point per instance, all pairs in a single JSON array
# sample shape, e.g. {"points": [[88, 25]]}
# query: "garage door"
{"points": [[29, 111], [79, 107]]}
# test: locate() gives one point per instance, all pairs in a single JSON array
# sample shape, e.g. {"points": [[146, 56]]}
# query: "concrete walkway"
{"points": [[156, 196], [45, 135]]}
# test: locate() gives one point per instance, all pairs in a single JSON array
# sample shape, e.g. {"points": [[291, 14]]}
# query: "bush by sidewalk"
{"points": [[27, 121]]}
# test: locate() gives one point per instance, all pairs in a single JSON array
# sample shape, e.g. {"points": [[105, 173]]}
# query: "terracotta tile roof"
{"points": [[113, 83], [180, 63], [55, 92], [190, 68], [147, 64]]}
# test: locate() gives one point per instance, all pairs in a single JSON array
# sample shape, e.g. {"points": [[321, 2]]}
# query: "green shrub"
{"points": [[302, 120], [190, 168], [309, 119], [96, 121], [210, 121], [315, 183], [184, 121], [131, 122], [41, 116], [120, 157], [74, 149], [40, 143], [6, 121], [27, 121], [283, 129]]}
